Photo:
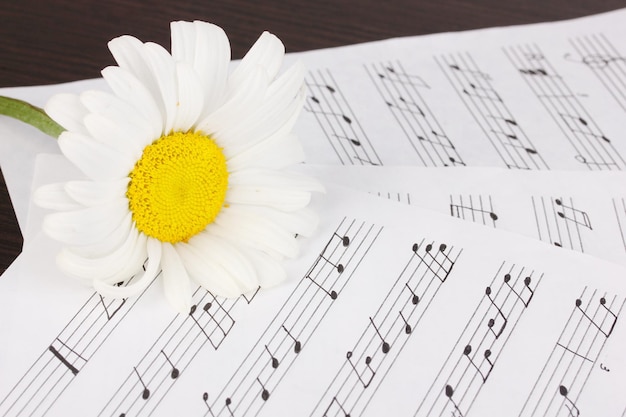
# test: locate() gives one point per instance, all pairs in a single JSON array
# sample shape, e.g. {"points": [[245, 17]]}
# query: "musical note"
{"points": [[367, 161], [573, 411], [324, 86], [536, 71], [412, 80], [596, 61], [562, 214], [145, 394], [205, 398], [297, 347], [584, 160], [175, 372], [603, 304], [576, 127], [275, 362], [408, 106], [507, 278], [407, 326], [483, 92], [106, 310], [368, 361], [327, 113], [206, 308], [335, 401], [449, 393], [385, 346], [607, 334], [478, 74], [332, 294], [467, 350], [265, 394], [345, 240], [228, 402], [414, 297], [458, 210], [492, 321], [428, 248], [351, 140], [193, 310]]}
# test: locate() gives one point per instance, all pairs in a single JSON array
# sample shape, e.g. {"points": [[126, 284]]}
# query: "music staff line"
{"points": [[173, 351], [335, 117], [572, 360], [486, 105], [598, 54], [400, 92], [481, 212], [268, 362], [54, 370], [592, 148], [482, 341], [379, 345]]}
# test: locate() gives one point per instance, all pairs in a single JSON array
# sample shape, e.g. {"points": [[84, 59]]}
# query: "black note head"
{"points": [[368, 360], [349, 354], [561, 215], [487, 353], [145, 394], [443, 247], [297, 347], [339, 269], [493, 216], [175, 373], [315, 99], [558, 202], [603, 301], [449, 391], [527, 281], [563, 391], [345, 241], [205, 396], [579, 302], [228, 401], [192, 309], [531, 151], [408, 329], [265, 395], [415, 246], [507, 277], [490, 323], [386, 347], [207, 306], [467, 350], [331, 89], [333, 295], [275, 363], [415, 299], [488, 290], [558, 244], [428, 247], [346, 119]]}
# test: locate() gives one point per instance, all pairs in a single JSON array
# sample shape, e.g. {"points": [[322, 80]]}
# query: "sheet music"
{"points": [[581, 211], [390, 307], [536, 97]]}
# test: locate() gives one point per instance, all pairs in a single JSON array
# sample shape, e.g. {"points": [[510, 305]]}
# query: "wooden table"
{"points": [[63, 40]]}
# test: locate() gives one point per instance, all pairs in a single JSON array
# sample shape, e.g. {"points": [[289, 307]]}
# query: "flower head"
{"points": [[185, 164]]}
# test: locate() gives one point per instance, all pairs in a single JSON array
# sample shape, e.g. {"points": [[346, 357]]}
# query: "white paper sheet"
{"points": [[455, 318], [582, 211], [545, 96]]}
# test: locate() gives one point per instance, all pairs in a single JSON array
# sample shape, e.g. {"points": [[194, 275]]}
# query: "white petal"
{"points": [[207, 272], [101, 268], [302, 222], [54, 197], [212, 56], [67, 110], [245, 101], [190, 100], [127, 124], [277, 189], [127, 87], [95, 193], [229, 257], [183, 35], [86, 226], [107, 244], [276, 152], [238, 224], [175, 280], [94, 159], [163, 68], [140, 283], [267, 52], [269, 271]]}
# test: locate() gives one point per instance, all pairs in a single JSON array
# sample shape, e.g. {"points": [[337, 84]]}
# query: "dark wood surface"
{"points": [[46, 42]]}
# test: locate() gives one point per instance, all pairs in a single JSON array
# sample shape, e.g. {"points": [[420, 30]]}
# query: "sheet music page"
{"points": [[390, 307], [581, 211], [543, 96]]}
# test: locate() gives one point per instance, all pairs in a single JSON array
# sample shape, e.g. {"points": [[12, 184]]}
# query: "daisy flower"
{"points": [[185, 169]]}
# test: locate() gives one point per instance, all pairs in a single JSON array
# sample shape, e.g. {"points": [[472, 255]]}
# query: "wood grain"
{"points": [[64, 40]]}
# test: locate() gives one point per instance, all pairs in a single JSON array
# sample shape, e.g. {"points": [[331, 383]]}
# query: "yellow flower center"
{"points": [[178, 186]]}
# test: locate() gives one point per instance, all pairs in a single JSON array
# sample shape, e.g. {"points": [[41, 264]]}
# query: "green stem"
{"points": [[30, 114]]}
